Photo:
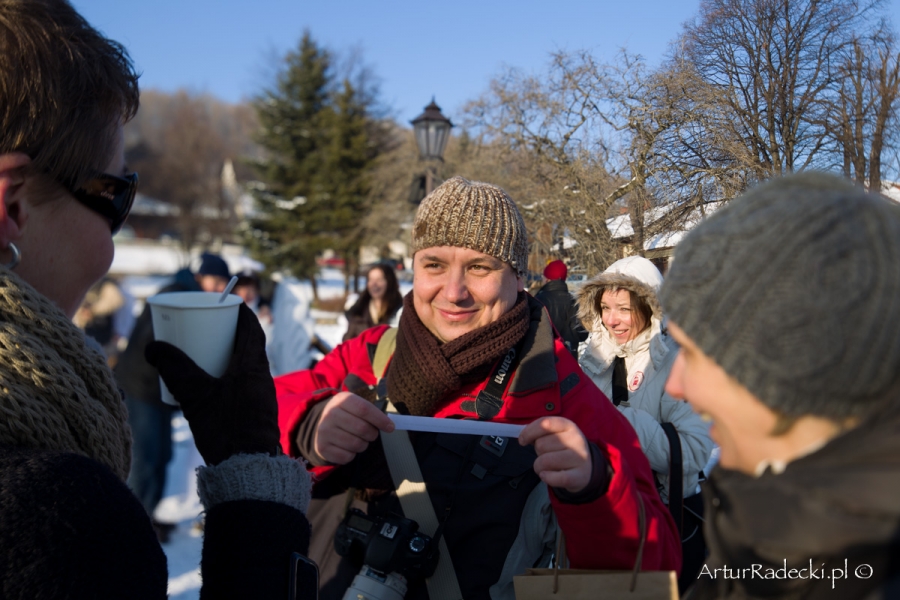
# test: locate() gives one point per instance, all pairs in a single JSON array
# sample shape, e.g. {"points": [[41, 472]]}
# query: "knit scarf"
{"points": [[57, 392], [423, 370]]}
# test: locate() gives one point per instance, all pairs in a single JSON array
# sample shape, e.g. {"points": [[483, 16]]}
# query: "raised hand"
{"points": [[564, 458], [347, 426]]}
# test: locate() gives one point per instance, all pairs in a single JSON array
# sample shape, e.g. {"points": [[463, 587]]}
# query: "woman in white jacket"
{"points": [[628, 355]]}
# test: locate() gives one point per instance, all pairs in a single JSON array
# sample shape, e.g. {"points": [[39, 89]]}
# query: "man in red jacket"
{"points": [[471, 344]]}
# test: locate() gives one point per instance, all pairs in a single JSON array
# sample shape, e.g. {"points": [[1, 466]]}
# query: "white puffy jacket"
{"points": [[648, 360]]}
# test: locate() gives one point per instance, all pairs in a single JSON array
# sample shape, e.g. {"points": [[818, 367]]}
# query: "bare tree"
{"points": [[865, 113], [674, 154], [393, 199], [601, 138], [552, 128], [391, 213], [179, 144], [773, 62]]}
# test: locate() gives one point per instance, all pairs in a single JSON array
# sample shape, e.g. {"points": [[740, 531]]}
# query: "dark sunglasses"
{"points": [[109, 196]]}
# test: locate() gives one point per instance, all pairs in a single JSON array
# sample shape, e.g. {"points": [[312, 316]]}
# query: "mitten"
{"points": [[236, 413]]}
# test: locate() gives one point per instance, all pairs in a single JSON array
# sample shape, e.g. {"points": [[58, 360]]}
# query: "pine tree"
{"points": [[346, 162], [292, 134], [320, 145]]}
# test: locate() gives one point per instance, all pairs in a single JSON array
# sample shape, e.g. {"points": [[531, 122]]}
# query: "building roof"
{"points": [[891, 189], [620, 226]]}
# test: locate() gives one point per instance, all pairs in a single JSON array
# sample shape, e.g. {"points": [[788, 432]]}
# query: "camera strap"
{"points": [[490, 400], [410, 485]]}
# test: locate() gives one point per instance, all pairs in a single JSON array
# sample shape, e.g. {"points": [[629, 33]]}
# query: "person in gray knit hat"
{"points": [[786, 304], [472, 345]]}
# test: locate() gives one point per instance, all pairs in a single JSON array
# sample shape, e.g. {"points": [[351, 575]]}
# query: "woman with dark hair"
{"points": [[69, 526], [378, 304]]}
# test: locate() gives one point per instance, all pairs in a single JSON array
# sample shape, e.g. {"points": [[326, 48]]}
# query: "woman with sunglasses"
{"points": [[69, 526]]}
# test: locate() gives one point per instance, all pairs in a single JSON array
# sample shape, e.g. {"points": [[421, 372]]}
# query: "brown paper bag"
{"points": [[585, 584], [578, 584]]}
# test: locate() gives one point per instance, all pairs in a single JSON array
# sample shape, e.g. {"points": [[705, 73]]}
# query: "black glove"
{"points": [[236, 413]]}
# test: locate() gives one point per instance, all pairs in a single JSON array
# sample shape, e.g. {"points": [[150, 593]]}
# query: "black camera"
{"points": [[386, 547]]}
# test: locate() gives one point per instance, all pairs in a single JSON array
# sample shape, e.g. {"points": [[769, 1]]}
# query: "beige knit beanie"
{"points": [[475, 215]]}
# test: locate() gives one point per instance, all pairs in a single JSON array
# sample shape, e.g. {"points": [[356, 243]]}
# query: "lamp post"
{"points": [[432, 131]]}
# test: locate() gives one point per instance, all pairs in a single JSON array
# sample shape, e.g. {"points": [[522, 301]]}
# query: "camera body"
{"points": [[392, 544]]}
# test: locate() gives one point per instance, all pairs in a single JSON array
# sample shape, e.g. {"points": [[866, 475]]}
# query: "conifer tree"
{"points": [[344, 174], [318, 136]]}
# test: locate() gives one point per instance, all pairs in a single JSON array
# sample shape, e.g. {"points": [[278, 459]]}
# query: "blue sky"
{"points": [[418, 49]]}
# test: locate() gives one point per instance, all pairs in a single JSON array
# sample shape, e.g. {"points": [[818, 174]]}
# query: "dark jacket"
{"points": [[70, 529], [833, 515], [136, 376], [359, 319], [563, 312]]}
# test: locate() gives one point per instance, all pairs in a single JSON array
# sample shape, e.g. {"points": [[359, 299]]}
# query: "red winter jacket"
{"points": [[602, 534]]}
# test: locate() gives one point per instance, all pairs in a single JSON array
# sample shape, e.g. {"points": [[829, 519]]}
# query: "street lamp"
{"points": [[432, 131]]}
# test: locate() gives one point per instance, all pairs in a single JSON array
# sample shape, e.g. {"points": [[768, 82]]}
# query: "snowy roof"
{"points": [[567, 243], [668, 239], [145, 257], [891, 189], [620, 226], [147, 206]]}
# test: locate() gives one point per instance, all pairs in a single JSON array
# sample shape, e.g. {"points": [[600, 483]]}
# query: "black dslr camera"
{"points": [[390, 549]]}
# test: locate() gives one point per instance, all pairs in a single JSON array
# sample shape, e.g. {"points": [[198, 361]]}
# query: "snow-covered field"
{"points": [[180, 503]]}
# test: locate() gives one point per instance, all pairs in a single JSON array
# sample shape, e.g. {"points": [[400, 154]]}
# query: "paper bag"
{"points": [[583, 584], [578, 584]]}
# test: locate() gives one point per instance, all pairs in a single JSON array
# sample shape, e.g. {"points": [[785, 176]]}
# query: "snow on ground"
{"points": [[180, 503]]}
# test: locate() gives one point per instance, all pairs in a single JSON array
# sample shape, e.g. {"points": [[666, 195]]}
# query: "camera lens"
{"points": [[373, 585], [417, 544]]}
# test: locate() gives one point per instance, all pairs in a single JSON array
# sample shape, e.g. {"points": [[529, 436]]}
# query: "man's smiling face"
{"points": [[457, 290]]}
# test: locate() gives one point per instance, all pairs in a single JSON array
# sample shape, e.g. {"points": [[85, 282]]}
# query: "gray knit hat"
{"points": [[471, 214], [794, 290]]}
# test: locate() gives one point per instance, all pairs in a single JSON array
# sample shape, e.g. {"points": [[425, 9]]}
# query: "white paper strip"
{"points": [[464, 426]]}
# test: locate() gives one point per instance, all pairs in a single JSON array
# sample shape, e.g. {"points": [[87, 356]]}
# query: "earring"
{"points": [[17, 256]]}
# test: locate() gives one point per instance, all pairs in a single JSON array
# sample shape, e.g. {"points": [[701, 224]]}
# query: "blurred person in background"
{"points": [[290, 346], [786, 305], [149, 417], [69, 525], [213, 274], [248, 288], [379, 304], [561, 305], [97, 316], [628, 356]]}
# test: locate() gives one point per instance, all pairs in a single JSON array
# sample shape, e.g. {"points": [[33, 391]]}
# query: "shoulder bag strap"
{"points": [[676, 478], [562, 561], [383, 352], [410, 485]]}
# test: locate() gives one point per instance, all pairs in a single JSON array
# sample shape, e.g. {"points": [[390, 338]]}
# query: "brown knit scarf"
{"points": [[423, 370], [56, 393]]}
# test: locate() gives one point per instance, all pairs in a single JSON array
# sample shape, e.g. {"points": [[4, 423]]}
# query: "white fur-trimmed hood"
{"points": [[635, 274]]}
